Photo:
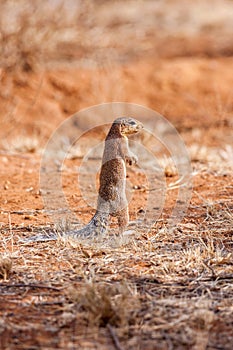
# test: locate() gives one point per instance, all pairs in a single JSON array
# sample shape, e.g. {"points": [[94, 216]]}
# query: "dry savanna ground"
{"points": [[166, 288]]}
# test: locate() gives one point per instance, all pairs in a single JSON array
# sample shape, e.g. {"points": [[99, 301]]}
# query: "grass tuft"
{"points": [[106, 303], [5, 268]]}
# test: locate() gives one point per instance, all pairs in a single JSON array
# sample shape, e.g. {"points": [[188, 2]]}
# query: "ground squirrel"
{"points": [[112, 196]]}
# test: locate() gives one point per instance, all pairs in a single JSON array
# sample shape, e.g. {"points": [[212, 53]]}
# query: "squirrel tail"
{"points": [[97, 226]]}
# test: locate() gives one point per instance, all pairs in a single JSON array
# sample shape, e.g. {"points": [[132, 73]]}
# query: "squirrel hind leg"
{"points": [[123, 219]]}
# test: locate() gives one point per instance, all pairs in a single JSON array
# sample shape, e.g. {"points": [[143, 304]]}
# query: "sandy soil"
{"points": [[162, 289]]}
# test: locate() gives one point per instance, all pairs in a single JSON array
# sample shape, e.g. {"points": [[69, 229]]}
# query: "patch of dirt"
{"points": [[169, 288]]}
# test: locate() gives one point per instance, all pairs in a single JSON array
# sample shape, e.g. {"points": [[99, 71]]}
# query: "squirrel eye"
{"points": [[132, 122]]}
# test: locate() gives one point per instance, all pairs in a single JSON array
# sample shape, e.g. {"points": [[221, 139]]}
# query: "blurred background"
{"points": [[93, 33], [59, 56]]}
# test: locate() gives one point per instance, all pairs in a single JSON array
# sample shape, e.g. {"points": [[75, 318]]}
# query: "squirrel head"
{"points": [[128, 126]]}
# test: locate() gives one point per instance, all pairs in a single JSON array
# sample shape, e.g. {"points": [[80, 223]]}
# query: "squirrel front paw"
{"points": [[131, 159]]}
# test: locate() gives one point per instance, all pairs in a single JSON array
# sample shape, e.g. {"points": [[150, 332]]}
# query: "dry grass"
{"points": [[49, 32], [174, 288], [167, 289], [5, 268], [104, 303], [22, 144], [221, 157]]}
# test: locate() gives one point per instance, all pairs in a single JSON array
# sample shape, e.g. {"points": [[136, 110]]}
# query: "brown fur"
{"points": [[112, 196]]}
